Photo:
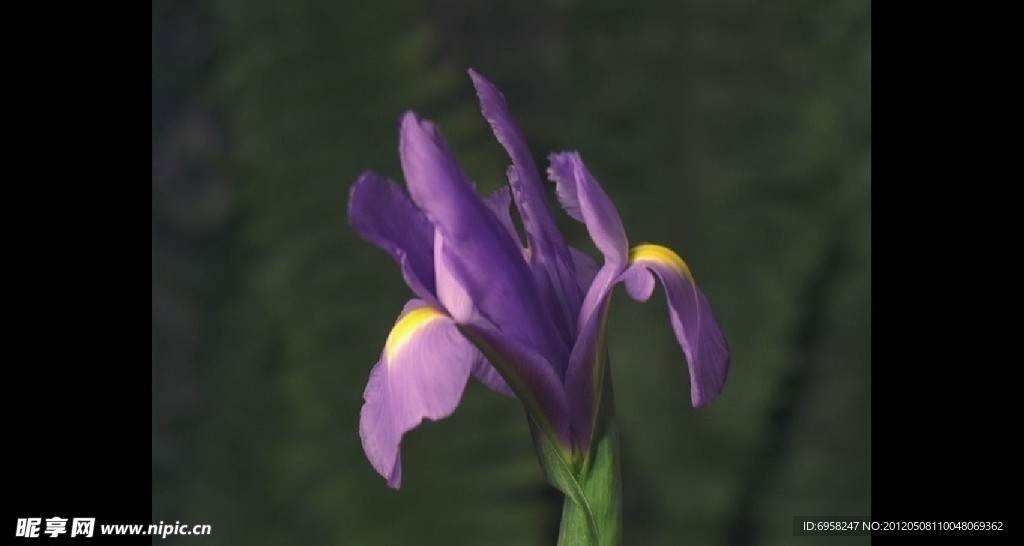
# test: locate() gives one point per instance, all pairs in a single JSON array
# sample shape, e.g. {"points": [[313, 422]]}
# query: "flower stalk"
{"points": [[598, 520]]}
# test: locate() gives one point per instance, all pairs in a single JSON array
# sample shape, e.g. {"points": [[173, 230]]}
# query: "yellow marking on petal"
{"points": [[659, 254], [407, 327]]}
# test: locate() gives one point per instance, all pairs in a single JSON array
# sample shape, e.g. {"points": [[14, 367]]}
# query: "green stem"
{"points": [[597, 521]]}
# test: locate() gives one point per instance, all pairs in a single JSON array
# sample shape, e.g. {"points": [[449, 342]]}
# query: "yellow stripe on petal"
{"points": [[407, 327], [659, 254]]}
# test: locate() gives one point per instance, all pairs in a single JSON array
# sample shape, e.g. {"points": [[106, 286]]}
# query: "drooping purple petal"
{"points": [[639, 283], [382, 214], [483, 256], [532, 379], [490, 378], [695, 326], [585, 200], [547, 246], [421, 375], [450, 292]]}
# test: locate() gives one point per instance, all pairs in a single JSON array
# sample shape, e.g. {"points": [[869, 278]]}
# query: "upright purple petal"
{"points": [[482, 254], [382, 214], [586, 363], [562, 171], [500, 204], [456, 301], [585, 200], [600, 288], [584, 265], [421, 374], [696, 329], [546, 243], [586, 268], [560, 306]]}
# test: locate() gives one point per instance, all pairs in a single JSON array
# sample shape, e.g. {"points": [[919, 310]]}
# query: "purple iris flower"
{"points": [[526, 321]]}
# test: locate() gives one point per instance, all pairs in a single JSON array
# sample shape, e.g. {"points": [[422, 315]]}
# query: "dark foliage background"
{"points": [[736, 132]]}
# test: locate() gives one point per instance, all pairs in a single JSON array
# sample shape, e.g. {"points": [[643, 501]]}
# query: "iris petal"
{"points": [[450, 292], [547, 246], [583, 374], [586, 268], [500, 204], [460, 306], [585, 200], [531, 378], [421, 375], [639, 283], [382, 214], [487, 261], [526, 322], [695, 326]]}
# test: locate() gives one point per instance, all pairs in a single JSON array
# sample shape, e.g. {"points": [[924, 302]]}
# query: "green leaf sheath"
{"points": [[592, 512]]}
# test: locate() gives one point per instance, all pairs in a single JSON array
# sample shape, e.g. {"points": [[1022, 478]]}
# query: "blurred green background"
{"points": [[737, 132]]}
